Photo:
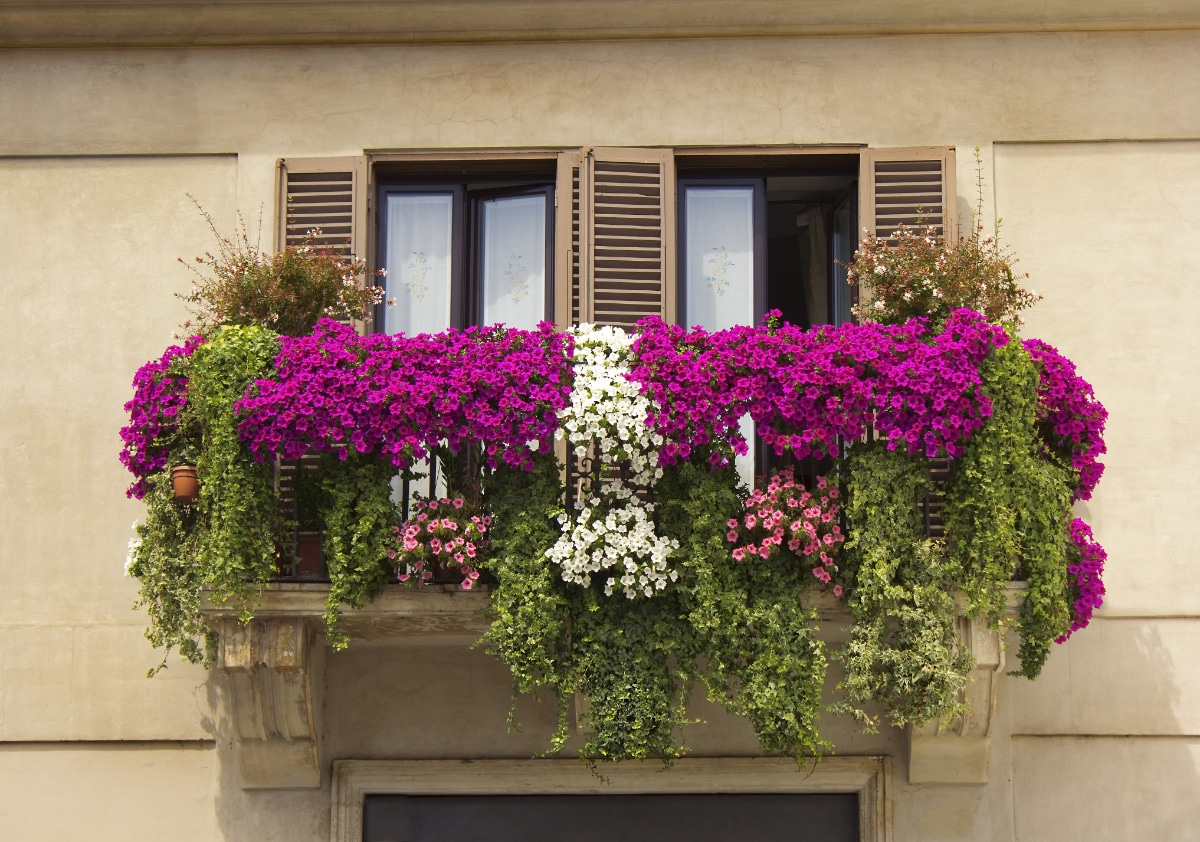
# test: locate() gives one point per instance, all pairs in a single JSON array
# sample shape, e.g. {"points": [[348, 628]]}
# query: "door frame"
{"points": [[867, 777]]}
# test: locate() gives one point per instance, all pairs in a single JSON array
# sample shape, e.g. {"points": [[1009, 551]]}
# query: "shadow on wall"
{"points": [[1124, 763]]}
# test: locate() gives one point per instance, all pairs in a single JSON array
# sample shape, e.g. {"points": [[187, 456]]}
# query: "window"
{"points": [[458, 253], [769, 238], [611, 240]]}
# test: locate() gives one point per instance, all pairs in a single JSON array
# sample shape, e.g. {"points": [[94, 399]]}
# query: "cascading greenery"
{"points": [[225, 543], [743, 631], [358, 514], [1007, 510], [902, 653]]}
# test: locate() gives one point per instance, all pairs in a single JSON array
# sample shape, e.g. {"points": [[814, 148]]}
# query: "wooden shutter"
{"points": [[912, 186], [325, 193], [567, 232], [617, 236]]}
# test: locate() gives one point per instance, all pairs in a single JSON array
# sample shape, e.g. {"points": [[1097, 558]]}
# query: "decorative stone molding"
{"points": [[868, 777], [959, 752], [192, 23], [275, 664], [273, 707]]}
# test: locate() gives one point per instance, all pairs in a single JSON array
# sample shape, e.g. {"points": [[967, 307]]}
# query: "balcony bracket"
{"points": [[271, 664], [958, 752]]}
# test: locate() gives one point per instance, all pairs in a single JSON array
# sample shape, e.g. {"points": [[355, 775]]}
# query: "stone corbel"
{"points": [[958, 752], [273, 704]]}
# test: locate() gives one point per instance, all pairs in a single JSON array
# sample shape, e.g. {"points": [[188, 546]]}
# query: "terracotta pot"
{"points": [[185, 484]]}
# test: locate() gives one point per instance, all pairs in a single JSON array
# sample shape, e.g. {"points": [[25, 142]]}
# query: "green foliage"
{"points": [[163, 558], [226, 542], [359, 515], [1007, 510], [922, 275], [902, 653], [743, 631], [286, 292], [238, 527]]}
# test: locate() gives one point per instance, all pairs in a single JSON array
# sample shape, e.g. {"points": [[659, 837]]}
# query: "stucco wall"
{"points": [[100, 148]]}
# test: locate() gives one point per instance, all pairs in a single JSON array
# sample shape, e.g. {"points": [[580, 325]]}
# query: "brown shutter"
{"points": [[910, 186], [617, 237], [325, 193], [567, 227]]}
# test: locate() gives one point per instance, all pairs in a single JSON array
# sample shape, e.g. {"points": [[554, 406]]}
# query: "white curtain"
{"points": [[418, 262], [720, 256], [514, 261], [720, 273]]}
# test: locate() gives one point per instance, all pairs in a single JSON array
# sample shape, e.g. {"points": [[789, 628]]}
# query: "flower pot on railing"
{"points": [[185, 484]]}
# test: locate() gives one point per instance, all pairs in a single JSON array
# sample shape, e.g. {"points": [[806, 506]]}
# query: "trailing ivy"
{"points": [[238, 527], [163, 558], [1007, 510], [902, 651], [528, 608], [359, 516]]}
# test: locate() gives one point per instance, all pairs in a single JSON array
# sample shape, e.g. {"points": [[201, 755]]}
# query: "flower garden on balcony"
{"points": [[590, 485]]}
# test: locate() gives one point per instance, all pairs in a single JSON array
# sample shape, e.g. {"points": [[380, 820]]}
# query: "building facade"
{"points": [[118, 118]]}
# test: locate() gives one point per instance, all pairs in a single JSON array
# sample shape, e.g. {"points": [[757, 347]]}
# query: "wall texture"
{"points": [[1091, 150]]}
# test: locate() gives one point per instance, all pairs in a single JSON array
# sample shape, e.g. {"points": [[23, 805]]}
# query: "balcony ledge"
{"points": [[275, 668]]}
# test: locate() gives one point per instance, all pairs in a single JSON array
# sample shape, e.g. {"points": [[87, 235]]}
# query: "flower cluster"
{"points": [[786, 515], [159, 396], [916, 273], [1071, 418], [606, 408], [441, 537], [808, 389], [615, 537], [612, 530], [399, 397], [1087, 588]]}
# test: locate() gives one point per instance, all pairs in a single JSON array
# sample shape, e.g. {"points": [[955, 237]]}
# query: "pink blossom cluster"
{"points": [[786, 514], [159, 395], [441, 537], [399, 397], [1087, 588], [808, 389], [1071, 417]]}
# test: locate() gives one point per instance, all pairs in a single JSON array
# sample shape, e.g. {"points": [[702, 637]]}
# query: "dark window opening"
{"points": [[818, 817]]}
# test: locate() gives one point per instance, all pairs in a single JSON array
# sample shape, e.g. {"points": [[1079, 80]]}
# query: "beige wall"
{"points": [[95, 220]]}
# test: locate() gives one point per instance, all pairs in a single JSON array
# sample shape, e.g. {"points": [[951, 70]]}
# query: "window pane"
{"points": [[720, 256], [418, 263], [514, 261]]}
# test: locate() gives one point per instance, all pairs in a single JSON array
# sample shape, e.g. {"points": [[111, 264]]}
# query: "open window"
{"points": [[473, 251], [766, 234]]}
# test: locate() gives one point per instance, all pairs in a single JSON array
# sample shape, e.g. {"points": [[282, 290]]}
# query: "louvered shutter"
{"points": [[325, 193], [617, 258], [911, 186], [567, 233]]}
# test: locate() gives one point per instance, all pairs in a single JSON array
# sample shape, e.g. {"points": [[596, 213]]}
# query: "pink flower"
{"points": [[837, 590], [458, 502]]}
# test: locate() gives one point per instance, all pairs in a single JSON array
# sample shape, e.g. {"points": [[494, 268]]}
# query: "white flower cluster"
{"points": [[606, 407], [612, 531]]}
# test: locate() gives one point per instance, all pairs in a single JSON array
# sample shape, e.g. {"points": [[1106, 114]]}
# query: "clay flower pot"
{"points": [[185, 484]]}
